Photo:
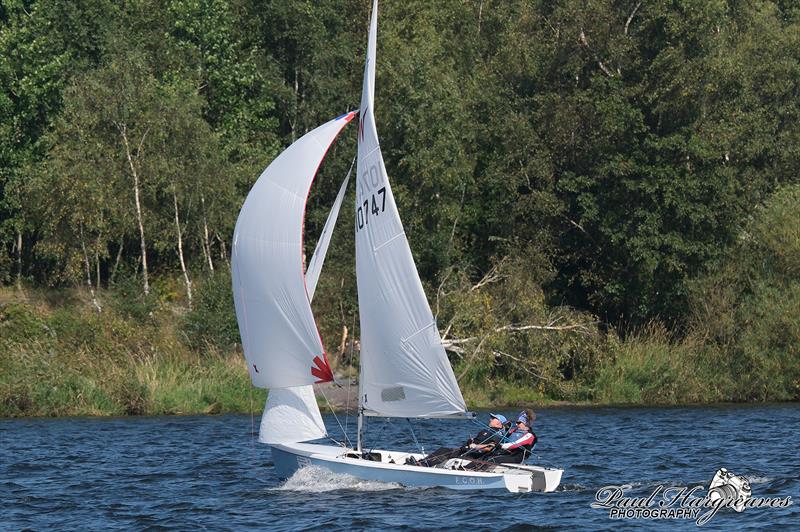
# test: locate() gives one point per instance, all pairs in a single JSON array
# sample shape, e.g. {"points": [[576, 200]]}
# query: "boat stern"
{"points": [[547, 480]]}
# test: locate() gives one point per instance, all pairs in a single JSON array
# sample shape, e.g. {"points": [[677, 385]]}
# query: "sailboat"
{"points": [[404, 370]]}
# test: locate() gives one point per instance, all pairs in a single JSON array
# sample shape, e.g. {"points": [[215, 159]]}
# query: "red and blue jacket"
{"points": [[519, 440]]}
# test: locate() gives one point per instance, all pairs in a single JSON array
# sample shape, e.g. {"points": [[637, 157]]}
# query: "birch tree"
{"points": [[113, 117]]}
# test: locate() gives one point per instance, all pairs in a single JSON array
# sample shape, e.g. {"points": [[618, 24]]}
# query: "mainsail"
{"points": [[404, 369], [280, 339]]}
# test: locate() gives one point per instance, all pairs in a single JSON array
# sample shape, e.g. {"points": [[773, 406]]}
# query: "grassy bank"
{"points": [[60, 357], [147, 355]]}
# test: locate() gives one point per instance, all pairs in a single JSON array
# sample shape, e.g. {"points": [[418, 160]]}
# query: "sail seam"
{"points": [[290, 192], [395, 237], [426, 327], [373, 150]]}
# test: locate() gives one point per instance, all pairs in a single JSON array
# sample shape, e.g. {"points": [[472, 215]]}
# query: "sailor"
{"points": [[518, 444], [487, 440], [482, 444]]}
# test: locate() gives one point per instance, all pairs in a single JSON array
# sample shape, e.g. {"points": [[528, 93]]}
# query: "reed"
{"points": [[71, 361], [59, 357]]}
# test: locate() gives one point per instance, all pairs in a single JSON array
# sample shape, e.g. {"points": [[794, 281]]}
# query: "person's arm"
{"points": [[484, 441], [526, 439]]}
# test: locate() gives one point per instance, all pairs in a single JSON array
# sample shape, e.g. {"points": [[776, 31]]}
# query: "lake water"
{"points": [[209, 472]]}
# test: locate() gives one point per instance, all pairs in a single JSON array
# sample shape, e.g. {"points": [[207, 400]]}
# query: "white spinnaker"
{"points": [[404, 369], [291, 414], [279, 336]]}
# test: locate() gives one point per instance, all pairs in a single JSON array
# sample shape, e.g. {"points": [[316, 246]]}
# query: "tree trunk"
{"points": [[343, 343], [19, 259], [206, 241], [97, 266], [116, 261], [293, 121], [139, 218], [89, 271], [180, 249], [223, 250]]}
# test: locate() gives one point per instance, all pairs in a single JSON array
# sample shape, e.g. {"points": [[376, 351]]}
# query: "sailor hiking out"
{"points": [[501, 443], [485, 442], [519, 443]]}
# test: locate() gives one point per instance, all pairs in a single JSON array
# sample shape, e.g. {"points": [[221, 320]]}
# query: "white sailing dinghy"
{"points": [[404, 369]]}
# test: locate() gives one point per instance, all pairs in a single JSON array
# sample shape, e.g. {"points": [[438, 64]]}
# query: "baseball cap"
{"points": [[500, 417]]}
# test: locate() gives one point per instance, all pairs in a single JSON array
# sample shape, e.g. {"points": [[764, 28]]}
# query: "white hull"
{"points": [[288, 458]]}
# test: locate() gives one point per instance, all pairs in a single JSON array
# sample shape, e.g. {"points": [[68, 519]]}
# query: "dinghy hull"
{"points": [[388, 466]]}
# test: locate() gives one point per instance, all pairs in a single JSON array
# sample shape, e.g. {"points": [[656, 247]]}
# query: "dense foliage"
{"points": [[583, 184]]}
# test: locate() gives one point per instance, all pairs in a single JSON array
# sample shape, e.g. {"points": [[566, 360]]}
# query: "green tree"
{"points": [[124, 134], [42, 44]]}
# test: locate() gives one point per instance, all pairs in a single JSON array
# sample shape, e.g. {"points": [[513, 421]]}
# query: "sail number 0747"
{"points": [[371, 206]]}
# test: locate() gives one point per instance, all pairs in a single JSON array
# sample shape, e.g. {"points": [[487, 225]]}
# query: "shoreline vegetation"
{"points": [[603, 205], [117, 351]]}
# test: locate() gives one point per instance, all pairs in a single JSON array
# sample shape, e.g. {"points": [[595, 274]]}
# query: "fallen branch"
{"points": [[491, 276], [455, 349], [517, 328], [447, 330], [578, 327], [521, 362]]}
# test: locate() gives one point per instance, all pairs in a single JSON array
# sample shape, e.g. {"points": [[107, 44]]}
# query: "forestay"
{"points": [[280, 339], [404, 369]]}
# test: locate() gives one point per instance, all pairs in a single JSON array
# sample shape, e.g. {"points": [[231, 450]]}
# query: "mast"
{"points": [[360, 436]]}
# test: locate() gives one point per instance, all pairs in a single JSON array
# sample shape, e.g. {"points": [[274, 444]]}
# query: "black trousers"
{"points": [[503, 458], [441, 455]]}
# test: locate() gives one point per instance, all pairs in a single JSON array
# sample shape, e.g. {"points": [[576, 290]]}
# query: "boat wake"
{"points": [[319, 480], [572, 487]]}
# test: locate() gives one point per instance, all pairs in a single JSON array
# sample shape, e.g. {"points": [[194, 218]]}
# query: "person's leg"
{"points": [[439, 456], [513, 458]]}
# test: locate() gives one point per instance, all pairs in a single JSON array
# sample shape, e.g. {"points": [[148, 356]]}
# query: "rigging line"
{"points": [[504, 433], [414, 435], [352, 164], [335, 416], [252, 424], [379, 438], [350, 364], [337, 442]]}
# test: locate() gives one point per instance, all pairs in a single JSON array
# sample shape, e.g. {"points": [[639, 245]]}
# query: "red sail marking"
{"points": [[321, 370], [361, 124]]}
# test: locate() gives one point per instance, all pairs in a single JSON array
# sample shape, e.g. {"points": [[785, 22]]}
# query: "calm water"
{"points": [[208, 472]]}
